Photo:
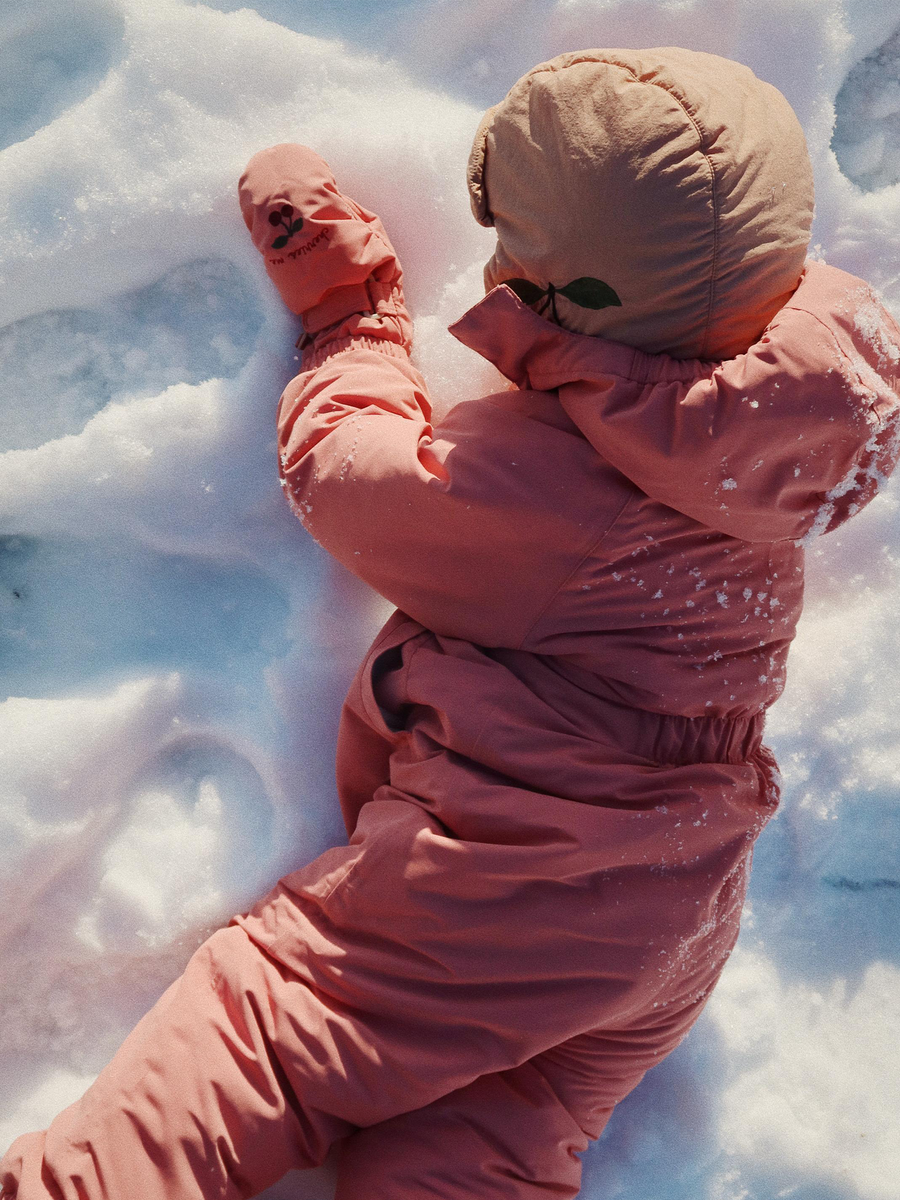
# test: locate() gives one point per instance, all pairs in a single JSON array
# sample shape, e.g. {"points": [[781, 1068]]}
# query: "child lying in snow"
{"points": [[550, 762]]}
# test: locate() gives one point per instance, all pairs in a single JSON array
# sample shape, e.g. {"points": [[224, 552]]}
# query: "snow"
{"points": [[174, 648]]}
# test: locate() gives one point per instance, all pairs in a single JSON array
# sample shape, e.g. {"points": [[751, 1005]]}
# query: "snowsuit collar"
{"points": [[533, 353], [787, 440]]}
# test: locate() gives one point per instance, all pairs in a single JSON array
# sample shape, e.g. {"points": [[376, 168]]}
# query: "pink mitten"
{"points": [[328, 257]]}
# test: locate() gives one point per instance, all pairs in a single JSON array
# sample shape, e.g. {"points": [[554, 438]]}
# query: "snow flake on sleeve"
{"points": [[866, 475], [869, 323]]}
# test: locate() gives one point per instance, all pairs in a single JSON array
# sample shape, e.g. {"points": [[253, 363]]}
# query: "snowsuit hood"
{"points": [[673, 189]]}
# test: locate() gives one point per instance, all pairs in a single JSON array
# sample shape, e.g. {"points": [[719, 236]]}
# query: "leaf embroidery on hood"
{"points": [[584, 291], [282, 216]]}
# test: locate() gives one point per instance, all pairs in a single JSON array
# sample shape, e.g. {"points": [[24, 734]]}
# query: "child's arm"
{"points": [[472, 544], [784, 441]]}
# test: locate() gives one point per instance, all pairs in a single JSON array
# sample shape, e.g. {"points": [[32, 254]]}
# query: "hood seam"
{"points": [[702, 137], [592, 548]]}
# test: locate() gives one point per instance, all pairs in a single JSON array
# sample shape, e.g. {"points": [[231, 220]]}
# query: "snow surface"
{"points": [[175, 648]]}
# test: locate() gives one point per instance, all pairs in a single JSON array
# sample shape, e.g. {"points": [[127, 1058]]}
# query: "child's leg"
{"points": [[348, 1007], [196, 1102], [513, 1135], [376, 980], [504, 1137]]}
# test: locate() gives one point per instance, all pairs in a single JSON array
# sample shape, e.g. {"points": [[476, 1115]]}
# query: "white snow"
{"points": [[174, 648]]}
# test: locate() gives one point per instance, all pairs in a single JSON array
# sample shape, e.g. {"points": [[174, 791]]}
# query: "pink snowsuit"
{"points": [[550, 762]]}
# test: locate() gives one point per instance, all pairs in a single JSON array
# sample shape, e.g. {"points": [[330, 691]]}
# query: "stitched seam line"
{"points": [[701, 135], [590, 550]]}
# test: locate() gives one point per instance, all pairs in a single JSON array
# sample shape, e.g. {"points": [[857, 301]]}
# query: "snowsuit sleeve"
{"points": [[462, 544], [783, 442]]}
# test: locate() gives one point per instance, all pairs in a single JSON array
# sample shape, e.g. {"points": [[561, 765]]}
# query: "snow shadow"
{"points": [[664, 1139], [51, 58], [200, 321], [661, 1138], [184, 768], [193, 844], [72, 612], [825, 894], [354, 21], [866, 139]]}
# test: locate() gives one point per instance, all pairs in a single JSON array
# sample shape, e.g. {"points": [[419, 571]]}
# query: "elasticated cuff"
{"points": [[319, 352]]}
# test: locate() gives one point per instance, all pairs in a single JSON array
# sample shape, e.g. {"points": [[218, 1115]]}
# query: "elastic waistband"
{"points": [[683, 740], [591, 703]]}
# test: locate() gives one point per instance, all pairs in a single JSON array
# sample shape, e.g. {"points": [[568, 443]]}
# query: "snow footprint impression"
{"points": [[50, 58], [138, 801], [866, 138], [57, 369], [79, 609], [94, 611], [150, 826]]}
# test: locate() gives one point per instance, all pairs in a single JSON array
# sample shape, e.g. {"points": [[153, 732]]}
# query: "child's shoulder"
{"points": [[854, 314]]}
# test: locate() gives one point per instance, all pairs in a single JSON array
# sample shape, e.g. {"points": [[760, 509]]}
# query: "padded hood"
{"points": [[662, 198]]}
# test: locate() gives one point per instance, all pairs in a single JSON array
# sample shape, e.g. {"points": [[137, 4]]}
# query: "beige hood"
{"points": [[662, 198]]}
